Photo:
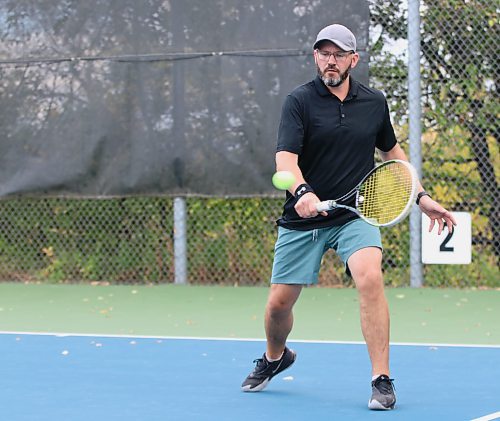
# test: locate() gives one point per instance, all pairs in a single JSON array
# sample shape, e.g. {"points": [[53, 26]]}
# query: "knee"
{"points": [[370, 283], [277, 306]]}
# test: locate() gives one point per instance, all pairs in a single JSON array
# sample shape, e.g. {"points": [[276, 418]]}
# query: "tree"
{"points": [[460, 77], [460, 69]]}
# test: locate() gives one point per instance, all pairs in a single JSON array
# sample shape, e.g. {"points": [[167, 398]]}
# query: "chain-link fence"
{"points": [[230, 240]]}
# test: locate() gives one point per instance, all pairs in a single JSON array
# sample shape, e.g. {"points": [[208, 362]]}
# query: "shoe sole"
{"points": [[263, 385], [376, 405], [257, 388]]}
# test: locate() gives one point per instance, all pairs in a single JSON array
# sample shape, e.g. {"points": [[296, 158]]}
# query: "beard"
{"points": [[333, 82]]}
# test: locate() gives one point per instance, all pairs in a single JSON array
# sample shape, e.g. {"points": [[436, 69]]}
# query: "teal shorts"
{"points": [[298, 254]]}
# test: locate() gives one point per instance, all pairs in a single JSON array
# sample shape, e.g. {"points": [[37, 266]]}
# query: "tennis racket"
{"points": [[384, 197]]}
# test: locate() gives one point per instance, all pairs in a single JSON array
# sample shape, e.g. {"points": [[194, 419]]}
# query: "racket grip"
{"points": [[326, 205]]}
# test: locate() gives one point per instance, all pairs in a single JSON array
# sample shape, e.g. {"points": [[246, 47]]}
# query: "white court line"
{"points": [[193, 338], [488, 417]]}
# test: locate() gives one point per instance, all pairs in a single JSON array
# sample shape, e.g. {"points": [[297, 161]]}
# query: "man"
{"points": [[328, 134]]}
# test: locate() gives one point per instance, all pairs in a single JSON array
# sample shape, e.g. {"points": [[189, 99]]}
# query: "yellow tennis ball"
{"points": [[283, 180]]}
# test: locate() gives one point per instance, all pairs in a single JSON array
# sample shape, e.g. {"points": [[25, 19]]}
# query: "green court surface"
{"points": [[417, 315]]}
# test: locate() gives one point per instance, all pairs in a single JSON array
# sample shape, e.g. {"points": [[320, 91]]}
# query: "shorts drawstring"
{"points": [[315, 235]]}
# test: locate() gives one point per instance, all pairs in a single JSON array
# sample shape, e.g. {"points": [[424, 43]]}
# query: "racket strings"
{"points": [[384, 195]]}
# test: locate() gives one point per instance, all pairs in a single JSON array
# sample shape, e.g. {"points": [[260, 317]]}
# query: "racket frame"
{"points": [[328, 205]]}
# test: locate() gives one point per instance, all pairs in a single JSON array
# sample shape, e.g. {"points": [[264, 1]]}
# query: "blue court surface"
{"points": [[71, 377]]}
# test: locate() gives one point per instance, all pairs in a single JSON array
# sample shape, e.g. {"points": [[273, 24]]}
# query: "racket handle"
{"points": [[326, 205]]}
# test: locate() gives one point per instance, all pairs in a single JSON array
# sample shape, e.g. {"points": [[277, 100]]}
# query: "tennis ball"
{"points": [[283, 180]]}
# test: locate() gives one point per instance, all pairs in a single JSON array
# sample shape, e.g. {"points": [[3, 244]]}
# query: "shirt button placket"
{"points": [[342, 114]]}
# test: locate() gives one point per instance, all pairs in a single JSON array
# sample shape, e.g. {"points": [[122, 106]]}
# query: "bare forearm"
{"points": [[287, 161], [306, 204], [397, 153], [431, 208]]}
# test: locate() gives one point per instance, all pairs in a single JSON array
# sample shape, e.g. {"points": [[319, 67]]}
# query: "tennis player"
{"points": [[328, 134]]}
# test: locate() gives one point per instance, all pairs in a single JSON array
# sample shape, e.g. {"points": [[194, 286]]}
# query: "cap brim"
{"points": [[338, 43]]}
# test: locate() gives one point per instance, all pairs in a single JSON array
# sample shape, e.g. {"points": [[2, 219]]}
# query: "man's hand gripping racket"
{"points": [[384, 197]]}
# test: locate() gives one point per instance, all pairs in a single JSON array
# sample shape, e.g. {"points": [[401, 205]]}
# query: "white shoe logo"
{"points": [[277, 368]]}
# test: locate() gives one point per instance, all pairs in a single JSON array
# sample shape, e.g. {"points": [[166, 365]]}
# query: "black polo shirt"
{"points": [[335, 142]]}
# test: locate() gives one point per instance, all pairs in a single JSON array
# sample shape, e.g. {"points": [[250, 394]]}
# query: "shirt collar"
{"points": [[323, 90]]}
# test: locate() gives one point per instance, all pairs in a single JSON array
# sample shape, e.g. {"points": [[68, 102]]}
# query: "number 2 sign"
{"points": [[450, 247]]}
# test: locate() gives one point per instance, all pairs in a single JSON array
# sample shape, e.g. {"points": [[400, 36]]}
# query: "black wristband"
{"points": [[302, 189], [420, 195]]}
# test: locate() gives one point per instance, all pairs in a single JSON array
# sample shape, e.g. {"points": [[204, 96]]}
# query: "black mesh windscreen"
{"points": [[179, 97]]}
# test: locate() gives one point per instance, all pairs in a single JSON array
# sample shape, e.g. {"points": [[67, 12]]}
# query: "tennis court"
{"points": [[127, 378], [181, 374]]}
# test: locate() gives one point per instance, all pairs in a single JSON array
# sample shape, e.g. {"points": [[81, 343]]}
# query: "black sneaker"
{"points": [[264, 371], [383, 396]]}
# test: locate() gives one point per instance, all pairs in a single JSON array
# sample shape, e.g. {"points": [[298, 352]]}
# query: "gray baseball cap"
{"points": [[339, 35]]}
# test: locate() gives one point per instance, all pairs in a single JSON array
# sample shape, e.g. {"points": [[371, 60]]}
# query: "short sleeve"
{"points": [[291, 127], [386, 139]]}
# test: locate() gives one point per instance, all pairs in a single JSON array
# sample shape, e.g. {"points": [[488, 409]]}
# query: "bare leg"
{"points": [[366, 270], [279, 317]]}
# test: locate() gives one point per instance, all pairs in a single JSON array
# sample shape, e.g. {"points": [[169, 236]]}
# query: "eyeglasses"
{"points": [[337, 55]]}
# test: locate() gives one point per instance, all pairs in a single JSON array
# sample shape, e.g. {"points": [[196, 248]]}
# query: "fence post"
{"points": [[415, 135], [180, 240]]}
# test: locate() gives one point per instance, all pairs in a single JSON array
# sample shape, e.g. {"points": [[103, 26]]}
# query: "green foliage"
{"points": [[460, 152], [236, 247], [92, 240], [230, 242]]}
